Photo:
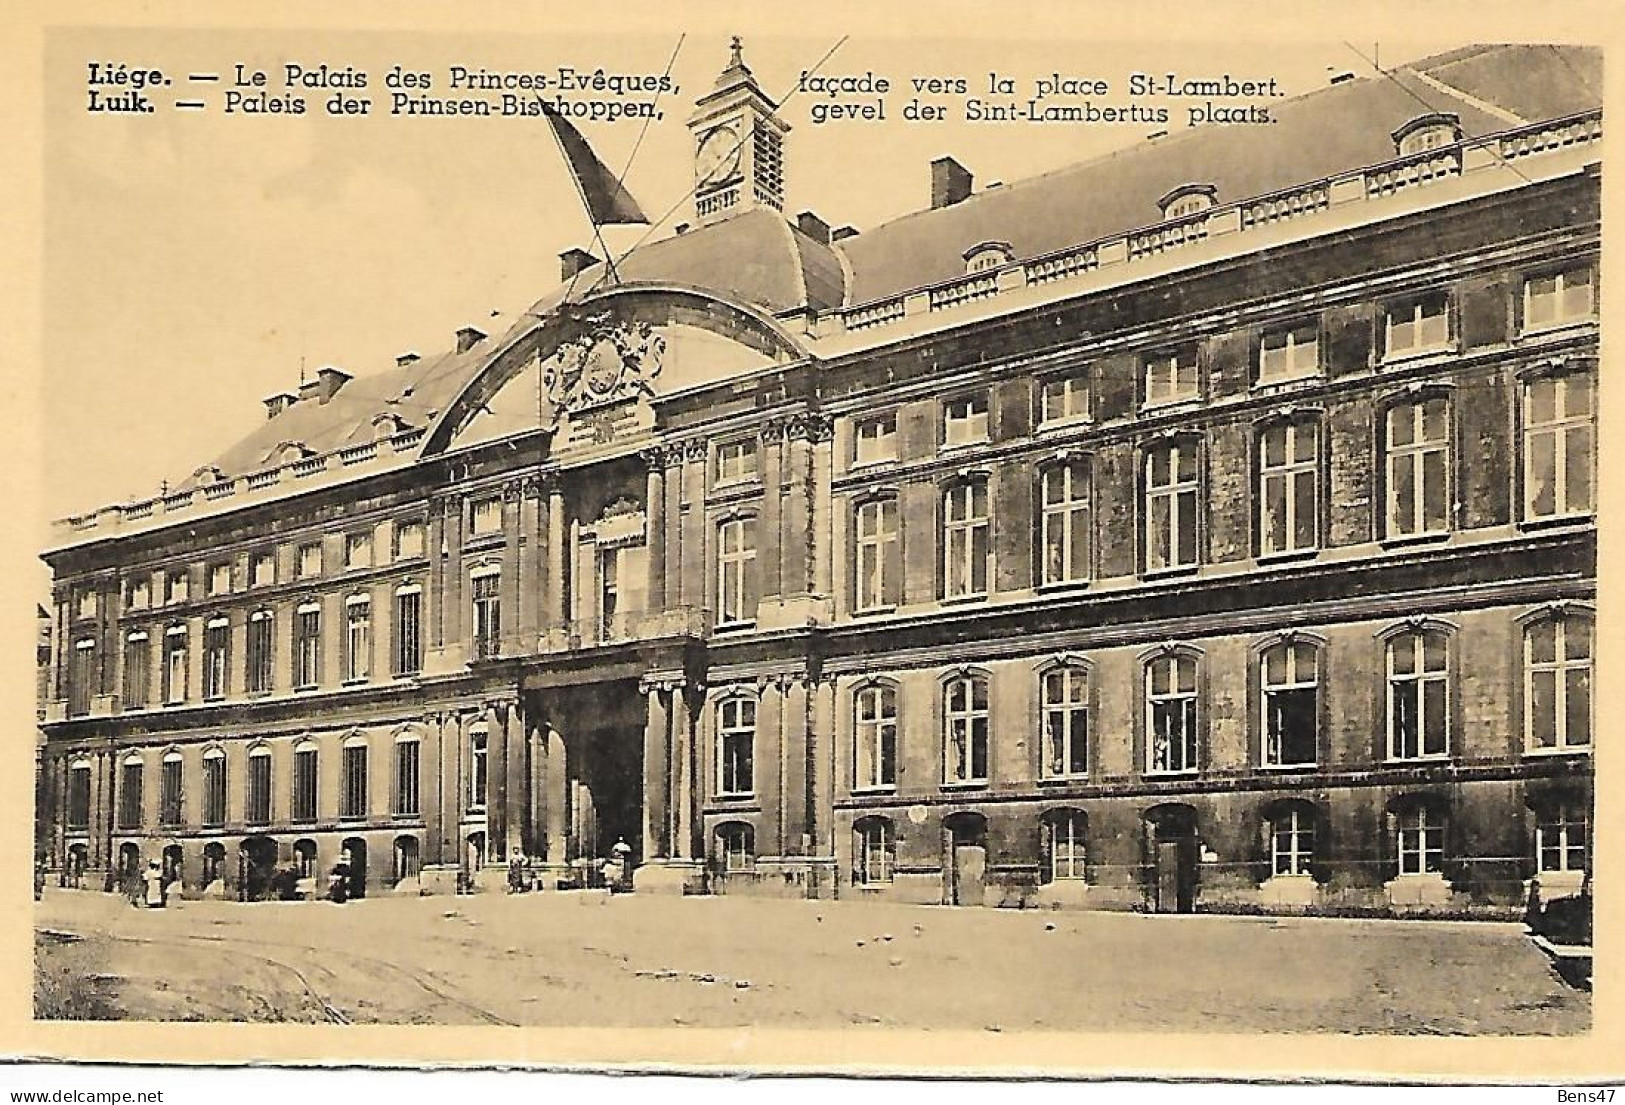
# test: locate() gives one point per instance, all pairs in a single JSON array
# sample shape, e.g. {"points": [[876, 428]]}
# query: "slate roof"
{"points": [[759, 258]]}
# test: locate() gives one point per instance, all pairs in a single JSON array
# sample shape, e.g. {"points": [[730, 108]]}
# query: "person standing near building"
{"points": [[154, 879]]}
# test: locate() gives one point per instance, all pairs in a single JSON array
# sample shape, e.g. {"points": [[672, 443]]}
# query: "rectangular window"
{"points": [[304, 783], [262, 569], [1558, 298], [408, 540], [307, 646], [407, 777], [1068, 835], [82, 677], [485, 517], [736, 571], [216, 646], [138, 596], [85, 606], [129, 795], [1289, 488], [487, 615], [175, 664], [1171, 715], [220, 579], [1065, 522], [1420, 842], [965, 540], [177, 585], [260, 657], [1290, 673], [357, 640], [1418, 468], [1559, 446], [1289, 354], [1420, 326], [964, 419], [878, 561], [1292, 842], [137, 677], [1064, 399], [736, 746], [214, 788], [478, 770], [408, 631], [1561, 839], [357, 551], [310, 560], [877, 856], [609, 591], [736, 460], [354, 794], [1557, 684], [1418, 696], [258, 808], [875, 439], [1171, 377], [1066, 723], [170, 794], [1171, 492]]}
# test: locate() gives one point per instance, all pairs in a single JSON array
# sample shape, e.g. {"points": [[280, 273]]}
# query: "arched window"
{"points": [[1417, 470], [1418, 669], [408, 774], [1559, 445], [353, 793], [357, 638], [261, 625], [736, 746], [258, 807], [1427, 132], [874, 851], [965, 541], [129, 792], [1064, 693], [1066, 834], [304, 857], [216, 662], [1557, 682], [137, 677], [1292, 838], [307, 645], [1064, 520], [736, 571], [214, 786], [175, 664], [306, 762], [408, 627], [1289, 697], [965, 728], [874, 730], [736, 846], [486, 589], [878, 563], [171, 780], [1171, 713]]}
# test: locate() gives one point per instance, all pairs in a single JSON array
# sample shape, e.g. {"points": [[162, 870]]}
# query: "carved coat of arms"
{"points": [[607, 362]]}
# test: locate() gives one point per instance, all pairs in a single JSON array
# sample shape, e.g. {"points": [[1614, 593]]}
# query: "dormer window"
{"points": [[387, 426], [1427, 132], [291, 452], [1186, 200], [986, 256]]}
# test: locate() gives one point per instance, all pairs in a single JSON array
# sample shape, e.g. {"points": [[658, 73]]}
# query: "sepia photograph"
{"points": [[738, 528]]}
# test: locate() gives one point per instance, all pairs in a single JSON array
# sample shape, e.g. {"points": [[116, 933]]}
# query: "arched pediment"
{"points": [[617, 349]]}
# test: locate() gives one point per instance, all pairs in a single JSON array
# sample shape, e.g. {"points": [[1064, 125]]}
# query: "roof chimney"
{"points": [[681, 228], [842, 233], [326, 384], [951, 182], [468, 337], [281, 401], [1340, 76], [407, 358], [573, 261], [813, 227]]}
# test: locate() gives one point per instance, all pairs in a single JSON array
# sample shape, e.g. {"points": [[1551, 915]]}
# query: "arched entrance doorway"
{"points": [[355, 859], [78, 858], [407, 862], [259, 865], [129, 867], [214, 863], [174, 865], [965, 863], [474, 849], [1171, 844]]}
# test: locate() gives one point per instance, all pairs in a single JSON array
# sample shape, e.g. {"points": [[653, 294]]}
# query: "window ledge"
{"points": [[1187, 773], [1415, 356], [733, 627], [1584, 322], [743, 796], [874, 611], [874, 792], [1170, 406], [1402, 761], [357, 682], [1287, 383], [965, 784], [1154, 574], [1558, 521], [1288, 767], [963, 600], [307, 688], [1063, 586], [960, 446], [867, 466], [1061, 425], [1062, 780], [1415, 539], [1287, 556], [1565, 750]]}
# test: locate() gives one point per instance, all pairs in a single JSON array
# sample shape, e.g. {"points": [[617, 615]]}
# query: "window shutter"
{"points": [[1486, 311]]}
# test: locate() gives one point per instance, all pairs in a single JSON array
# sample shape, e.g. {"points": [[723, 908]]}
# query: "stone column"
{"points": [[436, 829], [452, 578], [656, 767], [558, 800], [672, 518], [795, 786], [557, 557], [686, 706], [508, 583], [821, 752], [654, 506]]}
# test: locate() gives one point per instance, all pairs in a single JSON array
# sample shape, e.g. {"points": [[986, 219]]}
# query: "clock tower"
{"points": [[738, 146]]}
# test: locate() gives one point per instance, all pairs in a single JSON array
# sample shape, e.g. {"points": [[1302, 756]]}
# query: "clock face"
{"points": [[718, 156]]}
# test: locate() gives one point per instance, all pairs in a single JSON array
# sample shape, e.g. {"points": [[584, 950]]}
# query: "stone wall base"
{"points": [[670, 876]]}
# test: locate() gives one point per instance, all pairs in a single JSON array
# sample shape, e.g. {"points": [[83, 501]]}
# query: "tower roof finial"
{"points": [[737, 47]]}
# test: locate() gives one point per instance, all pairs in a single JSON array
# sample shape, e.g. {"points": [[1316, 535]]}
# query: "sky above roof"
{"points": [[193, 263]]}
